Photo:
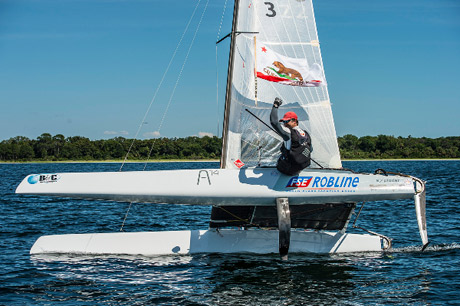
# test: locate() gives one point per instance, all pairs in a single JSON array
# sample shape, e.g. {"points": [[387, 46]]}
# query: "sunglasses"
{"points": [[286, 121]]}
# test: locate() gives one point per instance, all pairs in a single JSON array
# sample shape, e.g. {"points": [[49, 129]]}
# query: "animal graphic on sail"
{"points": [[288, 72], [274, 67]]}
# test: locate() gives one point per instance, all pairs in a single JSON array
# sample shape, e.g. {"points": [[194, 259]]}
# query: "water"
{"points": [[404, 276]]}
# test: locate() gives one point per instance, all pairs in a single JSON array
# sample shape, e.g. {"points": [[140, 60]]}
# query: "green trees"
{"points": [[17, 148], [59, 148], [384, 147]]}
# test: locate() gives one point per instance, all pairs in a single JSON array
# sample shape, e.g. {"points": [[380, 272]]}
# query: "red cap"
{"points": [[289, 116]]}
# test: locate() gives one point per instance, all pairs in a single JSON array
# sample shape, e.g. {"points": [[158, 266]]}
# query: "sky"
{"points": [[92, 67]]}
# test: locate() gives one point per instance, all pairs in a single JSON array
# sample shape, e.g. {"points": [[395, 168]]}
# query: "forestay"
{"points": [[277, 40]]}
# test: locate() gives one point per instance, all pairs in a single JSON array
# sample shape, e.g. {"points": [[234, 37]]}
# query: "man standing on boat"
{"points": [[296, 147]]}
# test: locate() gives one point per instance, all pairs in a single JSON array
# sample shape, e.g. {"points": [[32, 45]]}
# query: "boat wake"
{"points": [[430, 248]]}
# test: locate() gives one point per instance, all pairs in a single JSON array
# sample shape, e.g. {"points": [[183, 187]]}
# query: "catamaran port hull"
{"points": [[204, 241]]}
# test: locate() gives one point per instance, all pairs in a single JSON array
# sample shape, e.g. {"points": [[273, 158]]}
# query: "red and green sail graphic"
{"points": [[274, 67]]}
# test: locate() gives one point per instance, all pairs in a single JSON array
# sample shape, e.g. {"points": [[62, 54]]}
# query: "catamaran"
{"points": [[274, 52]]}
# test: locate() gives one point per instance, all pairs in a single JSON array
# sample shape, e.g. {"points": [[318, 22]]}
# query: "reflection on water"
{"points": [[240, 279], [402, 276]]}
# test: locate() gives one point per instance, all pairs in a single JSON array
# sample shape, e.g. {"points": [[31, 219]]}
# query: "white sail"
{"points": [[287, 29]]}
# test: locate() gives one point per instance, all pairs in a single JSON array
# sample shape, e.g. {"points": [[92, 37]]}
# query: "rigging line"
{"points": [[178, 79], [151, 103], [222, 20], [182, 68], [160, 84], [237, 217], [387, 239], [150, 154], [126, 215]]}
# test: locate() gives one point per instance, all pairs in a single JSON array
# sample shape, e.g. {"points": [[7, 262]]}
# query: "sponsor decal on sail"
{"points": [[274, 67], [238, 163]]}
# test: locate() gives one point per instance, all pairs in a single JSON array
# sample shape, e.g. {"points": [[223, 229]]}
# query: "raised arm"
{"points": [[274, 121]]}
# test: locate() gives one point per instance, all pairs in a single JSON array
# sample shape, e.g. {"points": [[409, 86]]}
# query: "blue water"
{"points": [[404, 276]]}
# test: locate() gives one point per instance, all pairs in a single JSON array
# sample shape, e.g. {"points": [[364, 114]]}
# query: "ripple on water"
{"points": [[402, 276]]}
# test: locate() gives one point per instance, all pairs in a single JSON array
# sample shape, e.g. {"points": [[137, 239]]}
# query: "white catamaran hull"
{"points": [[204, 241], [256, 186], [246, 187]]}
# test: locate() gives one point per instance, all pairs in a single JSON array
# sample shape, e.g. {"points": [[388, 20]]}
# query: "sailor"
{"points": [[296, 147]]}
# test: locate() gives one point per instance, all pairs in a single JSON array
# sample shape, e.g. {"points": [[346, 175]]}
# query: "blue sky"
{"points": [[91, 67]]}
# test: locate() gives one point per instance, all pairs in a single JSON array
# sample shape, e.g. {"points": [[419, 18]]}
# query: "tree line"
{"points": [[387, 147], [59, 148]]}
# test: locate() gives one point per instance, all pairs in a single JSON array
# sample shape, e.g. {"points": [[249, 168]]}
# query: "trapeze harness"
{"points": [[295, 150]]}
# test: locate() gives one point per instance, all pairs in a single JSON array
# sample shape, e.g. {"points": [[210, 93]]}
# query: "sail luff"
{"points": [[228, 93]]}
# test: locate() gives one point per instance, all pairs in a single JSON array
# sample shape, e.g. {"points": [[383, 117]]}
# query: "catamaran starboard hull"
{"points": [[203, 241]]}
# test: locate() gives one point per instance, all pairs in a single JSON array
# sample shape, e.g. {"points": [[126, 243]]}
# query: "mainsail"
{"points": [[276, 53]]}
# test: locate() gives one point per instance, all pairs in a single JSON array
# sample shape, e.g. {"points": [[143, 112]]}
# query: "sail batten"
{"points": [[286, 59]]}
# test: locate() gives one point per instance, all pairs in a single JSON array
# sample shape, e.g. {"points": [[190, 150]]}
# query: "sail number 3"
{"points": [[271, 9]]}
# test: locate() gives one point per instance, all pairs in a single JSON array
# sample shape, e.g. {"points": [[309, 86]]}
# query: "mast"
{"points": [[228, 94]]}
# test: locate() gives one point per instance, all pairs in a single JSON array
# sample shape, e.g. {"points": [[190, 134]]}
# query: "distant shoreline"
{"points": [[110, 161], [404, 159], [200, 161]]}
